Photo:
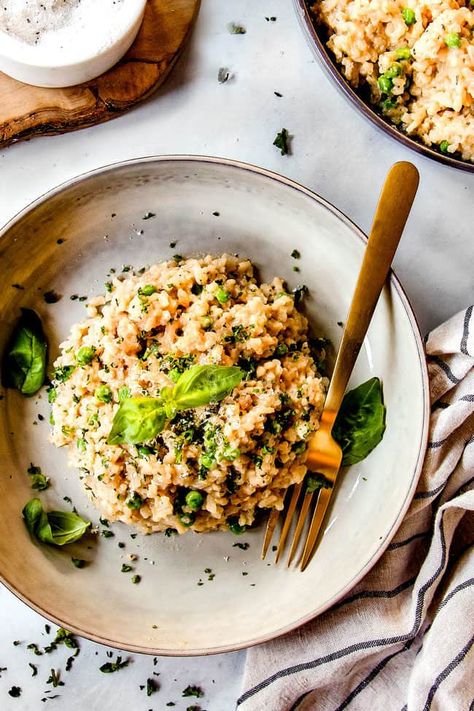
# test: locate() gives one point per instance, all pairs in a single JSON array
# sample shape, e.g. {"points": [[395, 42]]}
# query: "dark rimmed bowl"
{"points": [[317, 40]]}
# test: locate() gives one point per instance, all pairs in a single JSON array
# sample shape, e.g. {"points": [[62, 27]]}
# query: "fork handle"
{"points": [[392, 211]]}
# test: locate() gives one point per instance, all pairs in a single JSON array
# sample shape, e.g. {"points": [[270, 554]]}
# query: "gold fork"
{"points": [[324, 455]]}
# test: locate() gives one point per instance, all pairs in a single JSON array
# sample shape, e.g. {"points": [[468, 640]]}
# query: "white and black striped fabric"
{"points": [[403, 638]]}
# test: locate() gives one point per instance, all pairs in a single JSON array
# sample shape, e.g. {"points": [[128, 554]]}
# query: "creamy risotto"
{"points": [[211, 466], [417, 59]]}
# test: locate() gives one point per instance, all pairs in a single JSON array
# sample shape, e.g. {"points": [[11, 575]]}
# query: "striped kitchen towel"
{"points": [[403, 639]]}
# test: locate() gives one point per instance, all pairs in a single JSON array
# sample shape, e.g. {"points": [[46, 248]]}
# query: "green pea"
{"points": [[85, 355], [409, 16], [103, 393], [222, 295], [230, 453], [236, 528], [443, 146], [394, 71], [194, 500], [385, 84], [403, 53], [187, 519], [452, 39], [206, 460], [147, 290]]}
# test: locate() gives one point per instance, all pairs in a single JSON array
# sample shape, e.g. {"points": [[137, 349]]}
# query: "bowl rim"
{"points": [[332, 71], [357, 232]]}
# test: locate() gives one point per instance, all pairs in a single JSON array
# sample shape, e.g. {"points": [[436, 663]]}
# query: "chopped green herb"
{"points": [[242, 546], [235, 29], [235, 527], [148, 215], [126, 568], [106, 533], [295, 254], [123, 393], [38, 480], [55, 678], [193, 691], [187, 519], [170, 532], [136, 579], [281, 142], [34, 669], [110, 667], [63, 373], [15, 692], [108, 286], [317, 481], [223, 75], [135, 502], [299, 293]]}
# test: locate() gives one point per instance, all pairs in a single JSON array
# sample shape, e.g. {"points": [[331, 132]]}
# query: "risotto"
{"points": [[416, 57], [211, 466]]}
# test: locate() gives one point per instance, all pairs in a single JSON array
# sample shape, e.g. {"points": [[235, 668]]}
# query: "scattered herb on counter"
{"points": [[140, 419], [16, 643], [360, 424], [55, 678], [110, 667], [126, 568], [242, 546], [38, 480], [15, 692], [34, 669], [277, 93], [281, 142], [24, 361], [106, 533], [270, 19], [57, 528], [296, 254], [148, 215], [235, 29], [193, 691], [3, 669], [151, 687], [51, 297], [35, 649], [136, 579], [223, 75]]}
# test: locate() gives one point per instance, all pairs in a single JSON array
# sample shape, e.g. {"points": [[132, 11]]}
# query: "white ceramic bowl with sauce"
{"points": [[98, 47]]}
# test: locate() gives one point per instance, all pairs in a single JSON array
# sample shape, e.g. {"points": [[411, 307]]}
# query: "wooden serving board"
{"points": [[27, 111]]}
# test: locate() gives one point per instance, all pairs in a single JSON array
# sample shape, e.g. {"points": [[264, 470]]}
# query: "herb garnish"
{"points": [[360, 424], [223, 75], [281, 142], [110, 667], [235, 29], [140, 419], [15, 692], [57, 528], [193, 691], [38, 480], [315, 482], [24, 361]]}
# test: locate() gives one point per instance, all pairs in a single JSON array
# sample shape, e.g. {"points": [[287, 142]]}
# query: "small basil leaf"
{"points": [[138, 419], [55, 527], [203, 384], [24, 362], [360, 423]]}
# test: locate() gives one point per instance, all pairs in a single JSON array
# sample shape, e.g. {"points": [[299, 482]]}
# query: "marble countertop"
{"points": [[335, 152]]}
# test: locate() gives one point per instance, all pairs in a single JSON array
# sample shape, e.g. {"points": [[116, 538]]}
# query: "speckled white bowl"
{"points": [[204, 205], [73, 65]]}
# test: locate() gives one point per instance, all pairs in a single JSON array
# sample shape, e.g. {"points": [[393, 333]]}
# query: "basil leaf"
{"points": [[54, 527], [360, 423], [24, 363], [203, 384], [138, 419]]}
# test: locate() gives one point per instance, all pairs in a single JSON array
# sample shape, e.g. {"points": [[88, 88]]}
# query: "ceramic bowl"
{"points": [[316, 36], [78, 62], [67, 241]]}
